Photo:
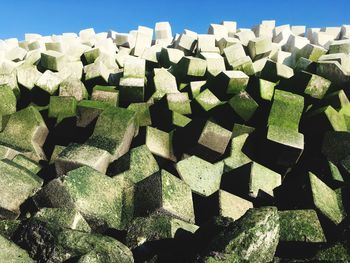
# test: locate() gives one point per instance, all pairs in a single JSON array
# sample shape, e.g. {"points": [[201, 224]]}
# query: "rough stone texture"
{"points": [[203, 177], [253, 238], [17, 185], [10, 252], [160, 143], [300, 226]]}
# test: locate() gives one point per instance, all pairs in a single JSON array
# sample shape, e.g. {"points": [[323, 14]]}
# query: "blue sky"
{"points": [[54, 17]]}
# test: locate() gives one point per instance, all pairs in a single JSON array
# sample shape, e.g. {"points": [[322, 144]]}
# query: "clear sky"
{"points": [[48, 17]]}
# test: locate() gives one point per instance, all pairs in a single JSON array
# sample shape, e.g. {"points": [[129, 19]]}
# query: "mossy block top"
{"points": [[259, 47], [335, 173], [179, 102], [207, 100], [52, 60], [237, 158], [239, 129], [336, 252], [112, 127], [63, 218], [244, 105], [155, 227], [285, 136], [300, 226], [134, 67], [96, 70], [326, 200], [49, 82], [62, 107], [177, 197], [191, 66], [195, 87], [252, 238], [91, 55], [78, 243], [143, 114], [7, 101], [267, 89], [28, 75], [10, 252], [103, 207], [160, 143], [8, 227], [139, 162], [214, 137], [317, 86], [27, 163], [106, 94], [203, 177], [73, 87], [17, 184], [238, 81], [232, 206], [26, 131], [286, 110], [179, 119], [263, 179]]}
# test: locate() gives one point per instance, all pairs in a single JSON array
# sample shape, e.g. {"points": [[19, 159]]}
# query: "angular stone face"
{"points": [[232, 206], [300, 226], [106, 94], [136, 165], [203, 177], [326, 200], [52, 60], [49, 82], [166, 193], [237, 158], [114, 131], [207, 100], [17, 185], [62, 107], [253, 238], [72, 87], [164, 83], [191, 67], [155, 227], [77, 155], [160, 143], [26, 131], [10, 252], [244, 105]]}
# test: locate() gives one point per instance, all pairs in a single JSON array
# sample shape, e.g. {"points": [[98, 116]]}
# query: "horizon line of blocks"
{"points": [[230, 146]]}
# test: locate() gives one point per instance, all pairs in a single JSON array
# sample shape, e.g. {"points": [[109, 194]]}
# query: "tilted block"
{"points": [[144, 37], [107, 94], [203, 177], [52, 60], [160, 143], [164, 83], [259, 47], [215, 63], [73, 87], [244, 105], [165, 193], [49, 82], [62, 107], [191, 67], [88, 111], [27, 76]]}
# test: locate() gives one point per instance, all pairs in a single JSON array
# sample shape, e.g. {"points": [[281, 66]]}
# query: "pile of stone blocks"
{"points": [[148, 146]]}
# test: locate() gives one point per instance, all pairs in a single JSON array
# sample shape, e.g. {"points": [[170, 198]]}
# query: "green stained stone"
{"points": [[8, 227], [10, 252], [17, 185], [237, 81], [62, 107], [286, 110], [325, 200], [207, 100], [164, 83], [77, 155], [252, 238], [52, 60], [311, 52], [246, 65], [160, 143], [143, 114], [27, 163], [26, 132], [259, 47], [239, 129], [63, 218], [179, 102], [203, 177], [191, 67], [155, 227], [179, 119], [73, 87], [317, 86], [7, 104], [195, 87], [336, 252], [164, 192], [95, 71], [244, 105], [132, 89], [135, 165], [91, 55], [27, 76], [237, 158], [335, 173], [106, 94], [267, 89], [336, 145], [114, 130], [300, 226]]}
